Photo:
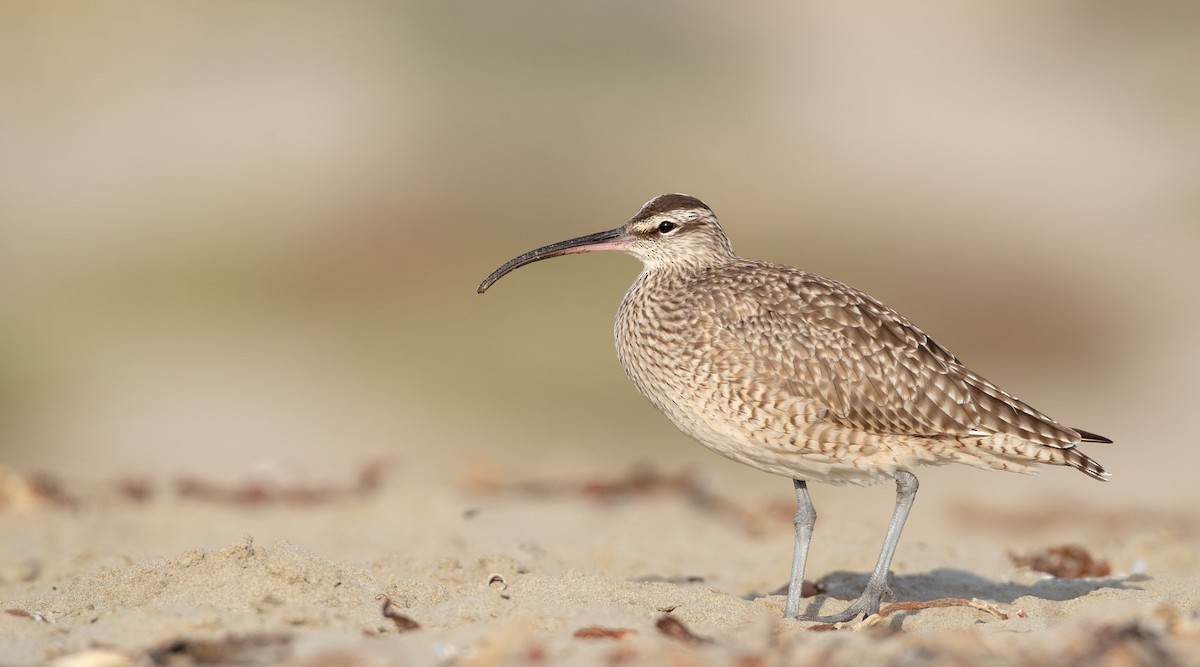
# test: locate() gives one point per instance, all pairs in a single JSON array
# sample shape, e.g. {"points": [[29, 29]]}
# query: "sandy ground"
{"points": [[405, 566]]}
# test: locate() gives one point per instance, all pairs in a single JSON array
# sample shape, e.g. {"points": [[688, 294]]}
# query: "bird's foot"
{"points": [[856, 611], [866, 605]]}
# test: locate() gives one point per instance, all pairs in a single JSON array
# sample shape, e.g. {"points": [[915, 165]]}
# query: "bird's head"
{"points": [[670, 232]]}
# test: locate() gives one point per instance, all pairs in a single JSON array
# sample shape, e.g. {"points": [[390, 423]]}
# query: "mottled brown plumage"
{"points": [[803, 376], [820, 381]]}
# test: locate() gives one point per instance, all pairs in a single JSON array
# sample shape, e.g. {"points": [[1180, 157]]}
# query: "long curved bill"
{"points": [[613, 239]]}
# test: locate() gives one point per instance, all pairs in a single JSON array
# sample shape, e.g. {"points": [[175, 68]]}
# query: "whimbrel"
{"points": [[802, 376]]}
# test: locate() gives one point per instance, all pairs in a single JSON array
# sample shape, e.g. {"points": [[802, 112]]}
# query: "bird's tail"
{"points": [[1076, 459], [1088, 436]]}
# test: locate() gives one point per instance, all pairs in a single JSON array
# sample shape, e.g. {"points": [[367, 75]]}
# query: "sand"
{"points": [[402, 567]]}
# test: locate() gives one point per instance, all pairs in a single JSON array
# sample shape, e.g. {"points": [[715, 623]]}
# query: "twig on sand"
{"points": [[897, 607], [391, 611], [675, 629]]}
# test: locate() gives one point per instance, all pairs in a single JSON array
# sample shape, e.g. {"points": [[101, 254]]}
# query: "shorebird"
{"points": [[802, 376]]}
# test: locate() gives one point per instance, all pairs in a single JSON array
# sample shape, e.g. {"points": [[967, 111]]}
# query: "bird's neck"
{"points": [[677, 271], [683, 265]]}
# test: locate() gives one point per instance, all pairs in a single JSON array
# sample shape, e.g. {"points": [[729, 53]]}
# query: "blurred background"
{"points": [[238, 237]]}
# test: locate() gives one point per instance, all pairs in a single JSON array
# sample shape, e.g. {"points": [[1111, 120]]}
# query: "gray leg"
{"points": [[806, 518], [877, 588]]}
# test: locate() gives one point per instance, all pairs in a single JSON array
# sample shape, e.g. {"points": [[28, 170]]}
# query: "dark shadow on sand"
{"points": [[954, 583]]}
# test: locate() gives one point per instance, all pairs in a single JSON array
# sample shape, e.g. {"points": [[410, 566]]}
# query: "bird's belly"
{"points": [[782, 440], [781, 435]]}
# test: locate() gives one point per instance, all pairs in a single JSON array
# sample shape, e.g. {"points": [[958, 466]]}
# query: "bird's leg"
{"points": [[868, 603], [806, 518]]}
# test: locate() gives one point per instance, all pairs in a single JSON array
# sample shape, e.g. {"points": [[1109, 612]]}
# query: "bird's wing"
{"points": [[864, 364]]}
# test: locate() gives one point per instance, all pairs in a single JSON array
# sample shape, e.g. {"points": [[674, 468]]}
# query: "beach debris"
{"points": [[497, 578], [20, 492], [23, 492], [534, 654], [910, 606], [370, 476], [974, 603], [51, 492], [640, 482], [675, 629], [598, 632], [391, 611], [32, 615], [134, 489], [261, 492], [1068, 561], [808, 589]]}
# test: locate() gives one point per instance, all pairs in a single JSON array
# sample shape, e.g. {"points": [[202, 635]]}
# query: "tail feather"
{"points": [[1080, 461], [1088, 436]]}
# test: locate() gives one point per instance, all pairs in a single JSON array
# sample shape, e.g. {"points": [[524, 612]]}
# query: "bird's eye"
{"points": [[666, 227]]}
